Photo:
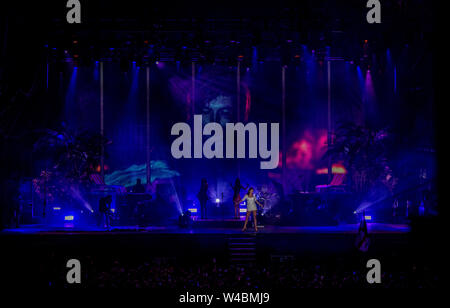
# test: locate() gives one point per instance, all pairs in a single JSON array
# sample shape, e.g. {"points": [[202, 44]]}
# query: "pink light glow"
{"points": [[305, 152], [248, 102], [337, 168], [300, 154], [369, 89]]}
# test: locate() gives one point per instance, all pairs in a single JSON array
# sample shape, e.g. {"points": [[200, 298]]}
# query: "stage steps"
{"points": [[242, 248]]}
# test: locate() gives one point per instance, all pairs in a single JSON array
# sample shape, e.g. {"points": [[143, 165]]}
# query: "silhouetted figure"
{"points": [[13, 205], [105, 209], [17, 213], [395, 211], [426, 203], [203, 197], [236, 196], [138, 188]]}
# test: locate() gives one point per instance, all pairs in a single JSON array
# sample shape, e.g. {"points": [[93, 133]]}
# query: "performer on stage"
{"points": [[251, 207], [105, 209], [203, 197], [236, 196]]}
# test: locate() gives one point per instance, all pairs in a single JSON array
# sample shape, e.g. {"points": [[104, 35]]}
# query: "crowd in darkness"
{"points": [[169, 273]]}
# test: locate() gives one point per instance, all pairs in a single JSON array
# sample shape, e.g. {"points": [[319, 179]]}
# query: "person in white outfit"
{"points": [[251, 207]]}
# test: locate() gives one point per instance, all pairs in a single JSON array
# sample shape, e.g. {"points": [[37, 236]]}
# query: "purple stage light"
{"points": [[369, 88]]}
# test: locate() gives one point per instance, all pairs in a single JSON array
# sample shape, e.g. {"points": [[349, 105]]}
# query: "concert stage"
{"points": [[224, 244], [373, 228], [314, 121]]}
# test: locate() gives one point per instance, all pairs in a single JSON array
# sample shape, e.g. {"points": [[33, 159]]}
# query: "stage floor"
{"points": [[202, 241], [377, 228]]}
